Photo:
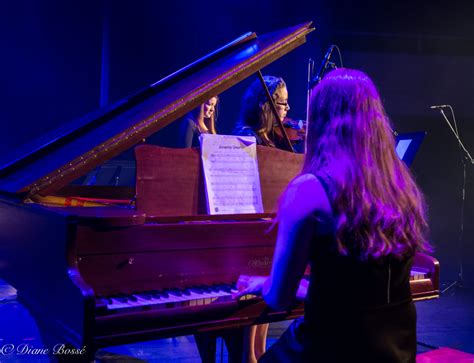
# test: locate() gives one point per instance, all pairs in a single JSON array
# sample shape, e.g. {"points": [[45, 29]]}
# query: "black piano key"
{"points": [[205, 288], [132, 298], [120, 298], [144, 296], [185, 292], [196, 290], [216, 288], [102, 302], [158, 293], [226, 288], [174, 292], [164, 294]]}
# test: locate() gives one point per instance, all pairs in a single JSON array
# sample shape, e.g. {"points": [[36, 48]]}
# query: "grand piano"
{"points": [[98, 271]]}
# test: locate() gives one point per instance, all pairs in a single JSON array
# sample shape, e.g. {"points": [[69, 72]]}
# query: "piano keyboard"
{"points": [[169, 298], [418, 273], [192, 296]]}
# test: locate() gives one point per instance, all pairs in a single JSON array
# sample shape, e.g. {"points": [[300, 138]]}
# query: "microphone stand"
{"points": [[313, 79], [467, 156], [459, 282]]}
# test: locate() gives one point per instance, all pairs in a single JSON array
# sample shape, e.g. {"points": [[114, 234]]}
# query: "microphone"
{"points": [[323, 67], [439, 106]]}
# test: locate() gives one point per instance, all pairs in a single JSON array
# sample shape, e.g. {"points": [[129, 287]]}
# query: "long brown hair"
{"points": [[256, 112], [379, 208], [205, 125]]}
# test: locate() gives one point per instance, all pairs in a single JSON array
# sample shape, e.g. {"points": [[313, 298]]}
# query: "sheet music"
{"points": [[231, 174]]}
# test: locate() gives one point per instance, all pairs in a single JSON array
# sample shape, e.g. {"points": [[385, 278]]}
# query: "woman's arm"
{"points": [[303, 197], [187, 131]]}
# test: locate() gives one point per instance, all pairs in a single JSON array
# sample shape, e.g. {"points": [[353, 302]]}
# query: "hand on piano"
{"points": [[249, 285]]}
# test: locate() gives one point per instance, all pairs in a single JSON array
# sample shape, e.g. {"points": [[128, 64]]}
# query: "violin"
{"points": [[296, 131]]}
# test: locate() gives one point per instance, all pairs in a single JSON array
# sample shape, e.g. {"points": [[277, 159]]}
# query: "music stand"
{"points": [[408, 144]]}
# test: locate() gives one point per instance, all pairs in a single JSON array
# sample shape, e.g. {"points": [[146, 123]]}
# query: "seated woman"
{"points": [[199, 121], [256, 116], [356, 215]]}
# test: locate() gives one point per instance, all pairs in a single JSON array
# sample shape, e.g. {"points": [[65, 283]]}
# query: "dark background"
{"points": [[419, 53]]}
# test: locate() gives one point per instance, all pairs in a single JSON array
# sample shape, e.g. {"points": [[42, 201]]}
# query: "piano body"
{"points": [[107, 275]]}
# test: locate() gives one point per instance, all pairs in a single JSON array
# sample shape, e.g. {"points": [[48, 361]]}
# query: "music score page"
{"points": [[231, 174]]}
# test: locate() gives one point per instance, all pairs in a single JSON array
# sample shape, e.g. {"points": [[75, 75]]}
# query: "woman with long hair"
{"points": [[201, 120], [256, 116], [257, 119], [357, 217]]}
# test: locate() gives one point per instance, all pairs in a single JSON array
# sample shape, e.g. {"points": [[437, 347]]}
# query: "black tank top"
{"points": [[357, 308]]}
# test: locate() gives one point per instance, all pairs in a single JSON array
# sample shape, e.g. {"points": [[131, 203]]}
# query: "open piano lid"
{"points": [[78, 147]]}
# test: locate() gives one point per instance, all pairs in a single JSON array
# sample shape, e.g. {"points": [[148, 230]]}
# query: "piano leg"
{"points": [[59, 349], [62, 348], [234, 341], [206, 344]]}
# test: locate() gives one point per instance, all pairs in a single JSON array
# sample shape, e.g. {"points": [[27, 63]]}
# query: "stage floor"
{"points": [[445, 322]]}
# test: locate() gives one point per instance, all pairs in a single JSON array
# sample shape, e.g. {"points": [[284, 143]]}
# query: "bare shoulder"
{"points": [[304, 196]]}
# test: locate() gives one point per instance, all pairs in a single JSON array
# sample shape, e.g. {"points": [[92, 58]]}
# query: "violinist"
{"points": [[258, 119], [256, 116]]}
